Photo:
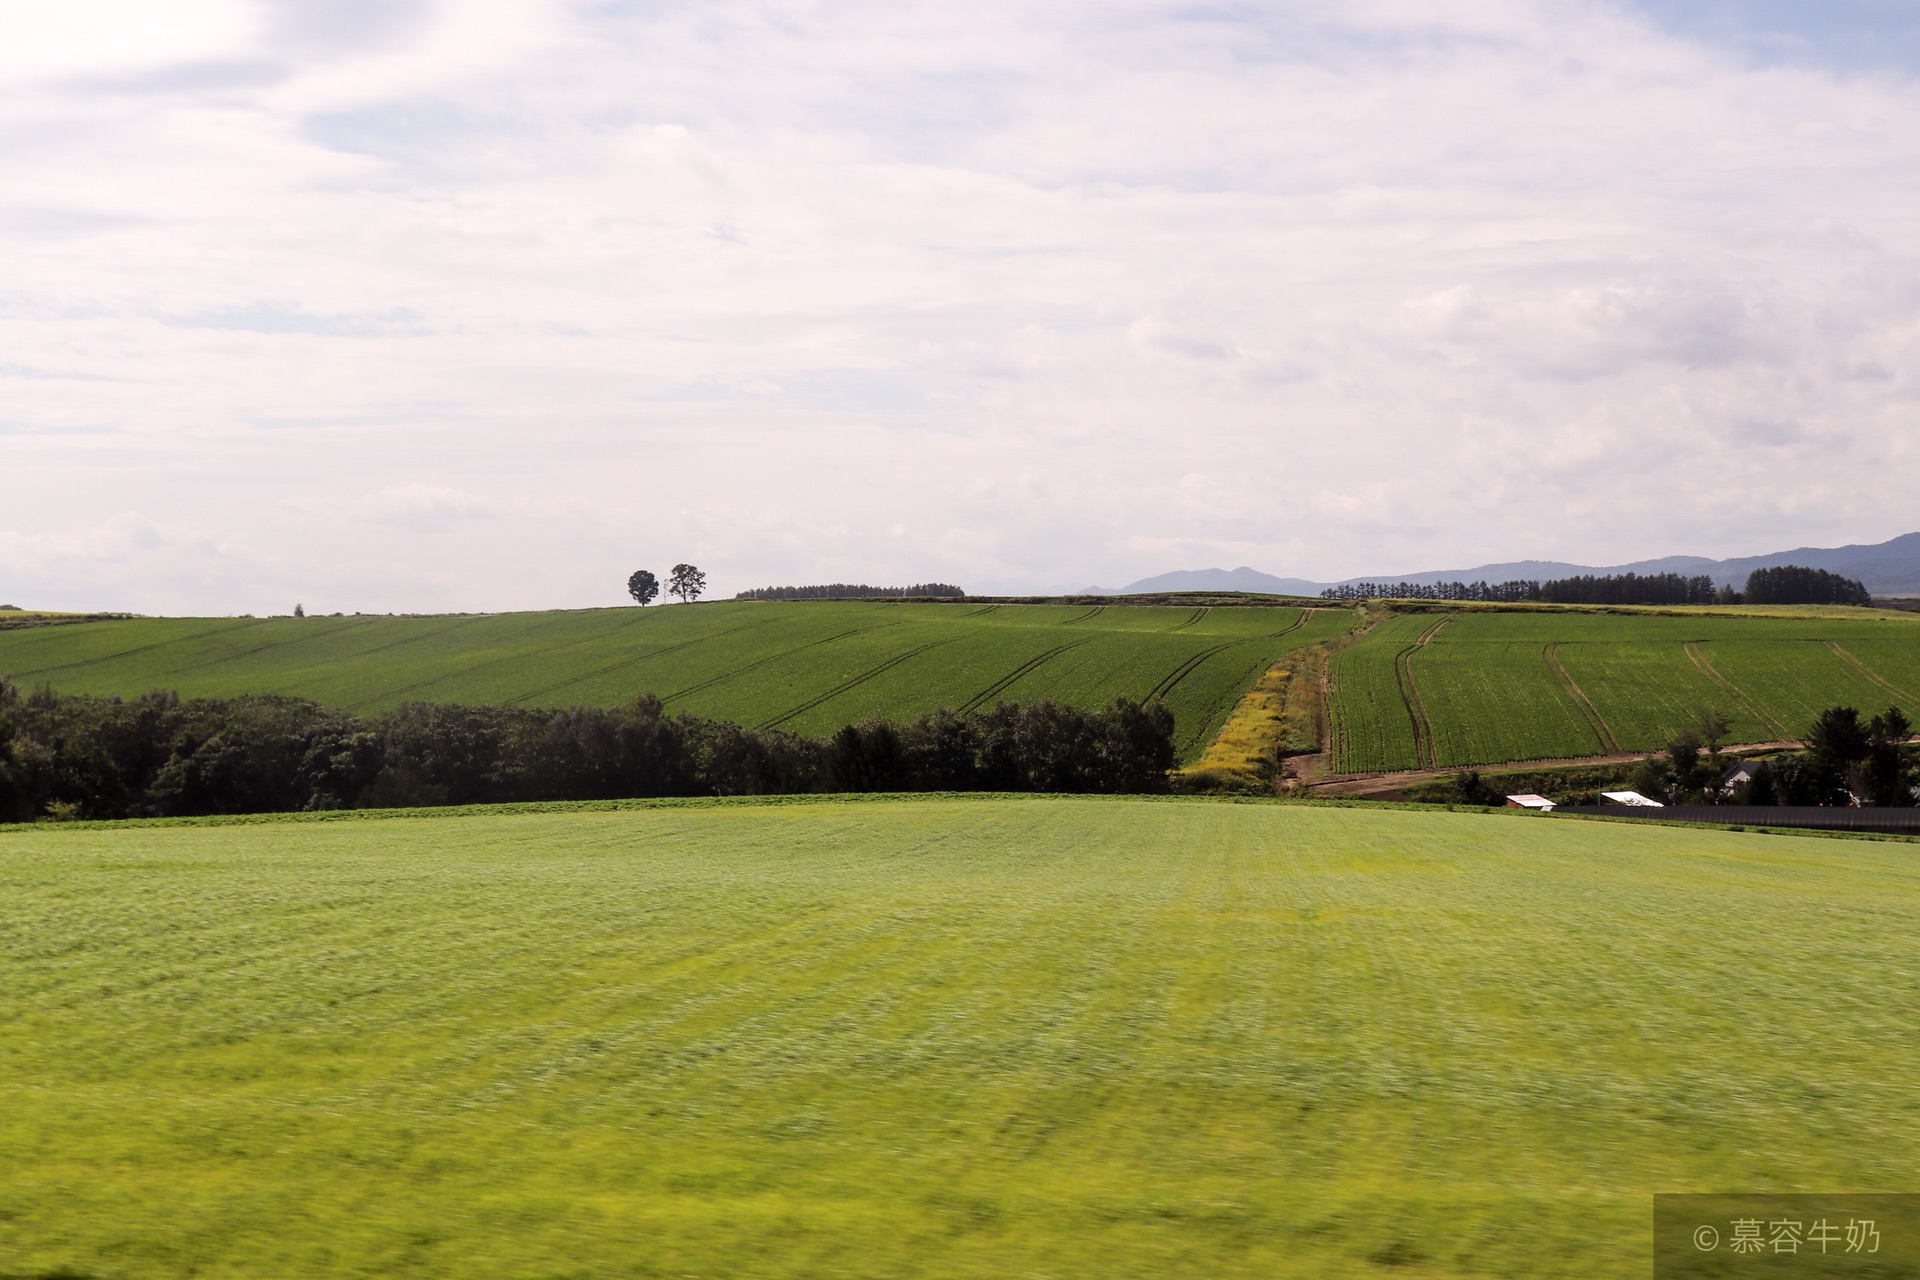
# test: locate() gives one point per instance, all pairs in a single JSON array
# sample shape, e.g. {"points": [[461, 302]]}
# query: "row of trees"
{"points": [[1786, 584], [852, 591], [1502, 592], [685, 581], [85, 757]]}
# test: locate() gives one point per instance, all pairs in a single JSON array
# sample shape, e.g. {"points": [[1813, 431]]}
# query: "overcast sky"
{"points": [[405, 305]]}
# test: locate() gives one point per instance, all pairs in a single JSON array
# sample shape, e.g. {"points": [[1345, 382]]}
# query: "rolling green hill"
{"points": [[977, 1037], [806, 666], [1435, 689]]}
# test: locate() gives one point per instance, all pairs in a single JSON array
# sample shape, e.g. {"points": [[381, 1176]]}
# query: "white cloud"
{"points": [[866, 291]]}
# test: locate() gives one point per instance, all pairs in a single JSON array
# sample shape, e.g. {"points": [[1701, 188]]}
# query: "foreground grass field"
{"points": [[805, 666], [979, 1037], [1432, 690]]}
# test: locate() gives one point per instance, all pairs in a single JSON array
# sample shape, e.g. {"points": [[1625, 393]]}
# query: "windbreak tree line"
{"points": [[88, 757], [852, 591], [1786, 584]]}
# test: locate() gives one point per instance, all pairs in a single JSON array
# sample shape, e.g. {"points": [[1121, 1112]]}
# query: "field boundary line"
{"points": [[1423, 746], [1030, 665], [851, 684], [1595, 721], [1752, 708], [1851, 660]]}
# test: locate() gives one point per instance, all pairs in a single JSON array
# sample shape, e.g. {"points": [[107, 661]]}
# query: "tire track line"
{"points": [[1185, 669], [1752, 708], [1595, 721], [1198, 614], [772, 657], [1031, 664], [1870, 673], [610, 668], [854, 683], [1423, 746], [138, 649]]}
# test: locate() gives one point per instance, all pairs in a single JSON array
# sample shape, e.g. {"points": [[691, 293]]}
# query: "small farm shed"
{"points": [[1631, 799], [1529, 801]]}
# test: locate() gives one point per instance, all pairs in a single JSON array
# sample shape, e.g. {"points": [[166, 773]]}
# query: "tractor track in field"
{"points": [[854, 683], [1423, 746], [137, 649], [1295, 625], [1867, 671], [772, 657], [1699, 660], [1595, 721], [1198, 614], [611, 667], [1094, 612], [1030, 665], [978, 612], [277, 644], [443, 675], [1185, 669]]}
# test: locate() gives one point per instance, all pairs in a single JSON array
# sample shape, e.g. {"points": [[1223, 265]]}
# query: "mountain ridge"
{"points": [[1886, 568]]}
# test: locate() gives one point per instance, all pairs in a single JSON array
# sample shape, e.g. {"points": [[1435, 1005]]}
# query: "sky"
{"points": [[402, 305]]}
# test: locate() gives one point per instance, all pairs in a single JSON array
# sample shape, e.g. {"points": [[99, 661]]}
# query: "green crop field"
{"points": [[806, 666], [1497, 686], [939, 1037]]}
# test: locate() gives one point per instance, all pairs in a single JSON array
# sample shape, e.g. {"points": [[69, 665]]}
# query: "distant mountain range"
{"points": [[1888, 568]]}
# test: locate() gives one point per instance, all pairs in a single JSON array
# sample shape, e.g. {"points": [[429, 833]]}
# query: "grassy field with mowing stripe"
{"points": [[979, 1037], [1547, 684], [805, 666]]}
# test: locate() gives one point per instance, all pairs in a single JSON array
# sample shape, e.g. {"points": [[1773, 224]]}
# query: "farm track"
{"points": [[1869, 672], [1751, 707], [1198, 614], [854, 683], [1094, 612], [1595, 721], [736, 672], [1423, 746], [1031, 664], [1364, 784]]}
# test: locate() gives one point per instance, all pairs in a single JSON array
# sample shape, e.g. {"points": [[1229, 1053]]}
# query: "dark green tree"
{"points": [[643, 587], [687, 582], [1887, 774]]}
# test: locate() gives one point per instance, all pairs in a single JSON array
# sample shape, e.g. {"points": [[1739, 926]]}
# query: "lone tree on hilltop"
{"points": [[643, 586], [687, 582]]}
